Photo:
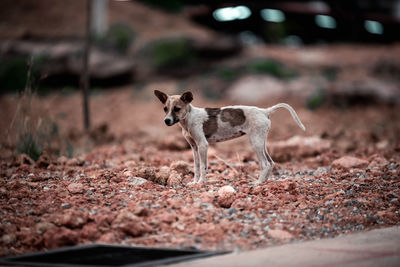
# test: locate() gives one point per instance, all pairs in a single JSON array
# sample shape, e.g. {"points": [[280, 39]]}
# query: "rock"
{"points": [[71, 219], [207, 197], [280, 234], [60, 237], [181, 167], [174, 143], [136, 180], [43, 161], [167, 217], [226, 196], [65, 205], [378, 161], [149, 173], [75, 188], [75, 162], [43, 227], [141, 211], [348, 162], [298, 146], [90, 232], [108, 238], [8, 238], [22, 159], [174, 179], [290, 186], [162, 175], [128, 223], [62, 160], [256, 84], [241, 203]]}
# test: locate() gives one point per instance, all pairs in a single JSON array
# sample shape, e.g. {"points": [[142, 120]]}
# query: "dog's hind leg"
{"points": [[257, 141]]}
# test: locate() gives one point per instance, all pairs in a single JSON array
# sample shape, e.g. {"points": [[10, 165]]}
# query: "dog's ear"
{"points": [[162, 96], [187, 97]]}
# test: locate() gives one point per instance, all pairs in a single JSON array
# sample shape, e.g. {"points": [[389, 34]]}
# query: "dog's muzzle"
{"points": [[170, 122]]}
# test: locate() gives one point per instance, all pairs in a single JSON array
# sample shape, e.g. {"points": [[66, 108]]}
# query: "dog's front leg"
{"points": [[195, 151], [203, 147]]}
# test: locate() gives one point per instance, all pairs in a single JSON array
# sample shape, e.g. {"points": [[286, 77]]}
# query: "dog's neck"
{"points": [[183, 121]]}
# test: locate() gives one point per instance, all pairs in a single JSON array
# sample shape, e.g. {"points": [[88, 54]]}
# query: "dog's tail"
{"points": [[291, 110]]}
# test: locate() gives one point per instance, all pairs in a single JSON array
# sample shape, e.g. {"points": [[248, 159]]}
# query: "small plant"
{"points": [[27, 144], [227, 74], [119, 37], [272, 67], [171, 53], [316, 99], [32, 130], [330, 73], [13, 72], [170, 5]]}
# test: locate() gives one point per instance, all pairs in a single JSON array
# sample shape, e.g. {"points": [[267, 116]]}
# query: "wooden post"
{"points": [[84, 81]]}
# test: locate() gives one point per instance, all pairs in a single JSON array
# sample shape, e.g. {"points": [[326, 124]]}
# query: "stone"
{"points": [[162, 175], [22, 159], [128, 223], [207, 197], [90, 232], [62, 160], [280, 234], [8, 238], [378, 161], [181, 167], [136, 180], [174, 143], [109, 237], [71, 219], [174, 179], [75, 188], [43, 162], [167, 217], [348, 162], [60, 237], [226, 196], [298, 146], [43, 227]]}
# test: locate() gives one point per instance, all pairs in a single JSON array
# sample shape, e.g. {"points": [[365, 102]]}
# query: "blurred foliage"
{"points": [[32, 130], [316, 99], [330, 73], [170, 5], [27, 144], [118, 37], [228, 74], [171, 53], [37, 134], [272, 67], [274, 32], [13, 72]]}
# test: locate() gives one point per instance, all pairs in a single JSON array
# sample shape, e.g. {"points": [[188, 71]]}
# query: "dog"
{"points": [[203, 126]]}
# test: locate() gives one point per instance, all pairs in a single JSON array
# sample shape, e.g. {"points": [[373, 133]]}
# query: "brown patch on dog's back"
{"points": [[210, 126], [234, 116]]}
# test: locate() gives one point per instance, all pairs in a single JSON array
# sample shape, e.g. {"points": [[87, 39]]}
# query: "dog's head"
{"points": [[175, 106]]}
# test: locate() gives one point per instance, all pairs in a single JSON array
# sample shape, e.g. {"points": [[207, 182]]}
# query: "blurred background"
{"points": [[322, 57]]}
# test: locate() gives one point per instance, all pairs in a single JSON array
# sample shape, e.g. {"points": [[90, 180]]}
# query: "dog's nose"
{"points": [[168, 122]]}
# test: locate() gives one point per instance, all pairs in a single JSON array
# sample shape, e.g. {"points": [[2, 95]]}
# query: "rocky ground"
{"points": [[128, 186]]}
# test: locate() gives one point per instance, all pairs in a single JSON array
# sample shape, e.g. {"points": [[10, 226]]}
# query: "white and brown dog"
{"points": [[202, 126]]}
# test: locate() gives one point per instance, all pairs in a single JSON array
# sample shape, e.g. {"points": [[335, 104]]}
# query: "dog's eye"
{"points": [[165, 109], [176, 109]]}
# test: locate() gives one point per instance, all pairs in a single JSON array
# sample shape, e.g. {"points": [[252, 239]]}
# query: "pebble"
{"points": [[136, 180]]}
